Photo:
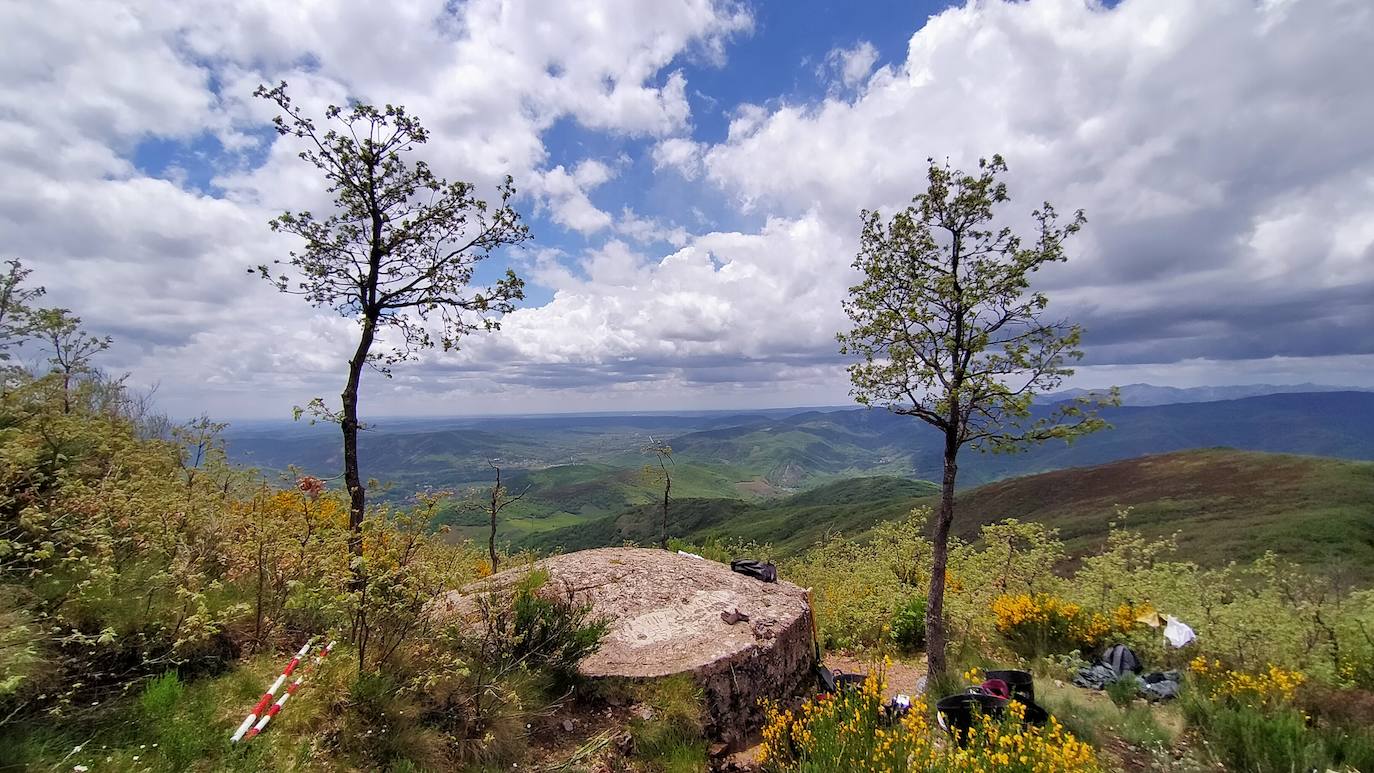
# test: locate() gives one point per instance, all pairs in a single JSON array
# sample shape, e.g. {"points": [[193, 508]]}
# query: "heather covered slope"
{"points": [[1223, 504]]}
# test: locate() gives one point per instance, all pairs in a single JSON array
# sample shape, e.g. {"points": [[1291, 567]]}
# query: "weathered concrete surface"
{"points": [[665, 618]]}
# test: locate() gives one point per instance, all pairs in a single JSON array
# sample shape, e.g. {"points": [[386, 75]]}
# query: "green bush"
{"points": [[1245, 738], [909, 625], [1124, 690]]}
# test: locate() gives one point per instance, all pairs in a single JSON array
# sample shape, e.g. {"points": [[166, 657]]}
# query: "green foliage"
{"points": [[909, 625], [1124, 690], [859, 588], [945, 327], [380, 725], [532, 624], [1246, 738]]}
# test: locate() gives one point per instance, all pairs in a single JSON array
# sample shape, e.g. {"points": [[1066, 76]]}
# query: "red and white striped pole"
{"points": [[291, 690], [271, 693]]}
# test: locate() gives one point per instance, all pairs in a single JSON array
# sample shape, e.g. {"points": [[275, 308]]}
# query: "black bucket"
{"points": [[1035, 715], [957, 712], [845, 681], [1020, 683]]}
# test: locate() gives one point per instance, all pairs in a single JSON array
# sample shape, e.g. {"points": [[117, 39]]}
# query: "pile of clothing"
{"points": [[1117, 663]]}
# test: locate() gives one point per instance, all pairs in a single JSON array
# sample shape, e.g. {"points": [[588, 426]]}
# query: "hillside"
{"points": [[1224, 504], [790, 523], [573, 495], [1338, 424]]}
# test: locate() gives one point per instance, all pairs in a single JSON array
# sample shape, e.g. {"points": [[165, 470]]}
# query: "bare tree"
{"points": [[661, 470], [500, 500]]}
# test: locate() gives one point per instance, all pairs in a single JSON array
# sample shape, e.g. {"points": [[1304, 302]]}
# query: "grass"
{"points": [[176, 725], [1095, 718], [670, 740]]}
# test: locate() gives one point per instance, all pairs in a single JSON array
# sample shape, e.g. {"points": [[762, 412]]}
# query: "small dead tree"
{"points": [[661, 470], [500, 500]]}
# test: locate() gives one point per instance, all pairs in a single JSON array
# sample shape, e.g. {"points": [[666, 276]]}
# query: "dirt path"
{"points": [[902, 675]]}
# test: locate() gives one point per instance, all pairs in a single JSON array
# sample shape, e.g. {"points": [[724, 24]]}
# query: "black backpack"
{"points": [[759, 570], [1121, 659]]}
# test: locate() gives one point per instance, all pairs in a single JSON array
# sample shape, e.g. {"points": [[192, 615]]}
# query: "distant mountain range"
{"points": [[790, 478], [1149, 394], [811, 447], [780, 453]]}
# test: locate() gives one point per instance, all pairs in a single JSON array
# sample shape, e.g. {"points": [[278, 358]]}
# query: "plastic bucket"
{"points": [[845, 681], [957, 713], [1021, 684], [1035, 715]]}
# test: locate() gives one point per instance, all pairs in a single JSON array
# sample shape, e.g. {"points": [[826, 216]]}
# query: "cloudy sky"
{"points": [[692, 172]]}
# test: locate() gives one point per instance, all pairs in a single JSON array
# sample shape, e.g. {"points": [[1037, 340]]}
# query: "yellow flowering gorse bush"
{"points": [[849, 732], [1037, 624], [1271, 687]]}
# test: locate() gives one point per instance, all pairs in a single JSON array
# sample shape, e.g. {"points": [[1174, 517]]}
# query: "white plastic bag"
{"points": [[1177, 633]]}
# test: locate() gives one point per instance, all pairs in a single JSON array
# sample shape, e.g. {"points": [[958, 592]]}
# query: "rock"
{"points": [[665, 619], [567, 725]]}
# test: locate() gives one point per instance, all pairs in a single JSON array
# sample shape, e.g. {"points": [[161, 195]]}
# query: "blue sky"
{"points": [[692, 171]]}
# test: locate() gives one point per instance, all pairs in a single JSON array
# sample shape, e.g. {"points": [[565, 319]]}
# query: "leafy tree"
{"points": [[15, 307], [947, 329], [661, 470], [397, 252], [500, 499], [69, 347]]}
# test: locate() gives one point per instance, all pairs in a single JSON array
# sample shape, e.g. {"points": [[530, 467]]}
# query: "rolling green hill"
{"points": [[573, 495], [1223, 504], [791, 523]]}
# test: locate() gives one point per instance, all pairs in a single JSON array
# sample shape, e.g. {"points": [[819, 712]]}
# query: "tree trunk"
{"points": [[667, 486], [357, 495], [935, 601], [491, 541]]}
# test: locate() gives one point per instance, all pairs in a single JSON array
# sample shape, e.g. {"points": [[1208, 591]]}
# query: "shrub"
{"points": [[849, 731], [1247, 738], [909, 625], [1271, 687], [1124, 690], [1036, 625]]}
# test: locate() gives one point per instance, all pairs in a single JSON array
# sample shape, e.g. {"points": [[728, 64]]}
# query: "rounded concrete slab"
{"points": [[664, 611]]}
